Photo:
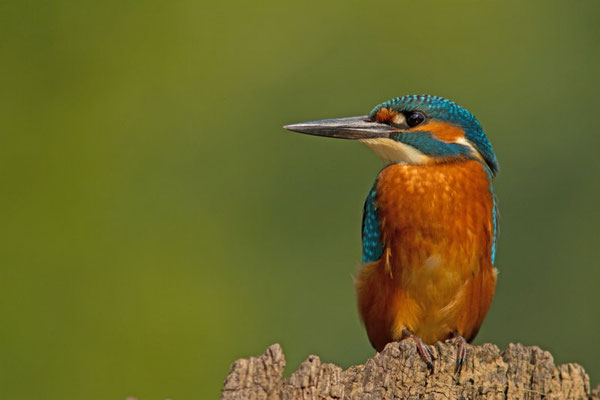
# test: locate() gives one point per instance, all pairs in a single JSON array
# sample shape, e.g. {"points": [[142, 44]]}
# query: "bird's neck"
{"points": [[392, 152]]}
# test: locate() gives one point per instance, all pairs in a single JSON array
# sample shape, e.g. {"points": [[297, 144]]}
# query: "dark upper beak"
{"points": [[344, 128]]}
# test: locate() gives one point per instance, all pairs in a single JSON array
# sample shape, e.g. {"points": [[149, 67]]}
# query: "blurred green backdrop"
{"points": [[158, 223]]}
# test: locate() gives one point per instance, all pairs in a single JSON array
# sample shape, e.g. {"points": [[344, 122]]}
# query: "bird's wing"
{"points": [[371, 229]]}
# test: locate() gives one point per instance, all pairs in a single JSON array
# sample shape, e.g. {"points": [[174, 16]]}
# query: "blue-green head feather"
{"points": [[438, 108]]}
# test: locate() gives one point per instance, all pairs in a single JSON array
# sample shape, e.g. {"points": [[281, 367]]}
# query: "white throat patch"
{"points": [[392, 152]]}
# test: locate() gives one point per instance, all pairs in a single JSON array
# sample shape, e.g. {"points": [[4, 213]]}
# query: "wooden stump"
{"points": [[397, 372]]}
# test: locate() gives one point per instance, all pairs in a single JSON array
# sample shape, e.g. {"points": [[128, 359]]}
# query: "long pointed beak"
{"points": [[344, 128]]}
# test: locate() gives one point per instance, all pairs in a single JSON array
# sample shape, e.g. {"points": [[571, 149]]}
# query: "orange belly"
{"points": [[435, 276]]}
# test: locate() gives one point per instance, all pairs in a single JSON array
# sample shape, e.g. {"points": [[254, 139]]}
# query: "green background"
{"points": [[158, 223]]}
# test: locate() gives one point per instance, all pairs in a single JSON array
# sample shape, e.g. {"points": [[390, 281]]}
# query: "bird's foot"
{"points": [[422, 348], [461, 352]]}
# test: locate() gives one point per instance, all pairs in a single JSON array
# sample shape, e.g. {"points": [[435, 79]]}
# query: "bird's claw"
{"points": [[423, 349], [461, 352]]}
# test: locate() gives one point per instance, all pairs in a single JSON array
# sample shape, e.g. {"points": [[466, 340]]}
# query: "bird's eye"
{"points": [[414, 118]]}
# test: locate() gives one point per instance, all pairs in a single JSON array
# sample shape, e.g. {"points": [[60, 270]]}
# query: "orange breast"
{"points": [[435, 276]]}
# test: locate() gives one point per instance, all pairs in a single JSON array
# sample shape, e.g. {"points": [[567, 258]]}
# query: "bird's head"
{"points": [[412, 129]]}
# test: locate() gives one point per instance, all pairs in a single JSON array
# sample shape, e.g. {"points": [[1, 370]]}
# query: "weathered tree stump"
{"points": [[397, 372]]}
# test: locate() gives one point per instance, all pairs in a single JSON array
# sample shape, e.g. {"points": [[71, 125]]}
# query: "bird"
{"points": [[429, 225]]}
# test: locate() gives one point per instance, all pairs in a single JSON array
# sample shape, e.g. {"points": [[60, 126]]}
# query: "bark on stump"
{"points": [[397, 372]]}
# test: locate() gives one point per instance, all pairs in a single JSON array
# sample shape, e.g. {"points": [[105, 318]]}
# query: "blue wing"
{"points": [[495, 219], [371, 229]]}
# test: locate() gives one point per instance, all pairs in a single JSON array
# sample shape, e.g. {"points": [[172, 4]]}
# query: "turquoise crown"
{"points": [[442, 109]]}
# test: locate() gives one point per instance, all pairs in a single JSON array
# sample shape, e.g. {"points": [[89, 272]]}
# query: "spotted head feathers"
{"points": [[421, 112]]}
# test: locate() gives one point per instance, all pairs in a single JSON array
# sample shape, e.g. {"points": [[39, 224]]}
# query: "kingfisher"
{"points": [[429, 223]]}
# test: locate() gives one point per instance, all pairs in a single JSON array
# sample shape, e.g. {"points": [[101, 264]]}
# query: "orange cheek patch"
{"points": [[443, 131], [385, 115]]}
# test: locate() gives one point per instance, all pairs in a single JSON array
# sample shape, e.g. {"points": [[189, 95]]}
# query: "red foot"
{"points": [[423, 349], [461, 352]]}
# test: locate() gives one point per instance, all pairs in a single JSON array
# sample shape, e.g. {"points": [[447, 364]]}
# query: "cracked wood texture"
{"points": [[398, 372]]}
